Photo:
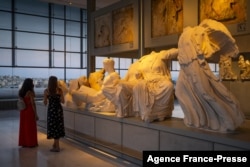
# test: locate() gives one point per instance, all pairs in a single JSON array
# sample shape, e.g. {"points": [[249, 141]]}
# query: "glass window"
{"points": [[58, 59], [31, 73], [32, 23], [75, 73], [72, 28], [174, 75], [84, 60], [98, 62], [58, 11], [134, 60], [32, 58], [5, 57], [84, 15], [8, 83], [72, 44], [73, 60], [5, 20], [5, 39], [175, 66], [122, 73], [32, 41], [58, 26], [84, 45], [217, 67], [84, 30], [5, 5], [31, 34], [32, 7], [125, 63], [11, 80], [212, 66], [117, 62], [58, 43], [59, 73], [72, 13]]}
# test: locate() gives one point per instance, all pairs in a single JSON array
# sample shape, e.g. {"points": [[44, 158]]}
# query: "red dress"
{"points": [[28, 127]]}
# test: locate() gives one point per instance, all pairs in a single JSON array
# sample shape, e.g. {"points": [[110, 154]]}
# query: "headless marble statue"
{"points": [[147, 89], [153, 95], [205, 101]]}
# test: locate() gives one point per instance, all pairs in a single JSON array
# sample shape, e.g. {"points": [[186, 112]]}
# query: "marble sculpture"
{"points": [[148, 92], [94, 95], [84, 93], [147, 89], [226, 72], [244, 66], [206, 102]]}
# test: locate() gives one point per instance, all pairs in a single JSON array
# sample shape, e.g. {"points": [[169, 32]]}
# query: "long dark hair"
{"points": [[52, 85], [27, 86]]}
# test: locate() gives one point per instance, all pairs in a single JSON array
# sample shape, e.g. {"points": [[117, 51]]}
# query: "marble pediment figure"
{"points": [[84, 93], [207, 104], [96, 79], [153, 95], [100, 83], [147, 89], [74, 84]]}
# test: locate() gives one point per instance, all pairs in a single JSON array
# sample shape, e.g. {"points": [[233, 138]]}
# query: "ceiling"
{"points": [[82, 3]]}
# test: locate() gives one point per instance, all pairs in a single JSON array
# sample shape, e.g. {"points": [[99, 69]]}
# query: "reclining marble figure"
{"points": [[74, 84], [206, 102], [94, 97]]}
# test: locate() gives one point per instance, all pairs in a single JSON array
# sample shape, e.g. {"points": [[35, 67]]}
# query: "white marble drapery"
{"points": [[205, 101]]}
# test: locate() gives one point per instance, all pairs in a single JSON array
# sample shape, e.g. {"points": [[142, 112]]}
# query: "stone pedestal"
{"points": [[127, 138]]}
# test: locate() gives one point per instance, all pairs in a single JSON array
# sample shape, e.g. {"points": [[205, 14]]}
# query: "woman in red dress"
{"points": [[28, 116]]}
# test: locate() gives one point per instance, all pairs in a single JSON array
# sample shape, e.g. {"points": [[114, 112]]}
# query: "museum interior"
{"points": [[135, 75]]}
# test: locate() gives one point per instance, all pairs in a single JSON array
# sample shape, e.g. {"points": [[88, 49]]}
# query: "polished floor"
{"points": [[72, 154]]}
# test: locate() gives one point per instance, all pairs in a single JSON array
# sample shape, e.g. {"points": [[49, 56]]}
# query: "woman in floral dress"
{"points": [[53, 96]]}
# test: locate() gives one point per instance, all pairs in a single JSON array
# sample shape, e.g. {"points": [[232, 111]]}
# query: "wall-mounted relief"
{"points": [[123, 25], [166, 17], [164, 20], [233, 13], [102, 31], [225, 11], [244, 66], [116, 28]]}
